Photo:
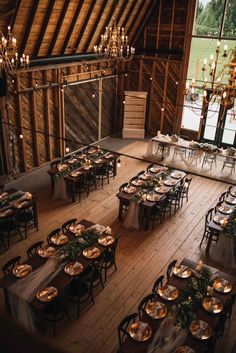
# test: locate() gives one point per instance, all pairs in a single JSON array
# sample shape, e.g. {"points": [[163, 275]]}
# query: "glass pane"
{"points": [[191, 116], [211, 122], [209, 133], [208, 17], [230, 20], [230, 127]]}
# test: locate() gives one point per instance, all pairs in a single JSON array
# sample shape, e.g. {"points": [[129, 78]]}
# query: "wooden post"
{"points": [[47, 119], [20, 119], [34, 122], [164, 96], [100, 109]]}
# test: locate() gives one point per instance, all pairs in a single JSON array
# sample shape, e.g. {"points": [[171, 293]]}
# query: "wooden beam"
{"points": [[58, 117], [47, 118], [16, 9], [34, 123], [86, 20], [72, 26], [141, 5], [58, 27], [129, 13], [20, 119], [44, 27], [93, 29], [164, 96], [149, 12], [121, 11], [29, 25]]}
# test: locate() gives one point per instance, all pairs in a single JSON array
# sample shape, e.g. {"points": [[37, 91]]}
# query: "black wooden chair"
{"points": [[65, 226], [9, 228], [208, 232], [123, 327], [170, 268], [157, 284], [27, 217], [175, 198], [109, 258], [33, 249], [56, 231], [223, 196], [144, 302], [9, 265], [185, 189], [102, 174], [1, 188], [55, 162]]}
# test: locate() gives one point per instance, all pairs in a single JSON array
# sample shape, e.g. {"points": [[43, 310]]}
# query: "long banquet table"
{"points": [[132, 346]]}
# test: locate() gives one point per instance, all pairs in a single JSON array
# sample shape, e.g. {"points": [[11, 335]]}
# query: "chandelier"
{"points": [[114, 44], [9, 57], [218, 80]]}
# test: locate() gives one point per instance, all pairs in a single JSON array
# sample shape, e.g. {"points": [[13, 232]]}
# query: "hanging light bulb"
{"points": [[118, 162]]}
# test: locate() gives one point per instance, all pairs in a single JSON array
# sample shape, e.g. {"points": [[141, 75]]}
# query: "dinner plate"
{"points": [[184, 349], [222, 285], [6, 213], [177, 175], [91, 252], [145, 176], [100, 160], [140, 331], [22, 270], [92, 151], [81, 156], [60, 239], [3, 194], [225, 209], [21, 204], [230, 200], [106, 239], [76, 228], [155, 169], [212, 305], [47, 294], [87, 167], [168, 292], [62, 167], [170, 182], [75, 174], [46, 251], [162, 190], [156, 310], [200, 329], [73, 268], [233, 193], [130, 189], [153, 197], [108, 156], [182, 271], [71, 161], [219, 219], [138, 182]]}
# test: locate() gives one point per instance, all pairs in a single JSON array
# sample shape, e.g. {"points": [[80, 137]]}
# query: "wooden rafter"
{"points": [[87, 44], [86, 20], [29, 25], [58, 27], [121, 11], [140, 8], [72, 26], [44, 27], [16, 9], [129, 13], [149, 12], [34, 122], [20, 117]]}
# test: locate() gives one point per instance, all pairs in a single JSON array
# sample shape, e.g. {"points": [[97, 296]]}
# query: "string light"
{"points": [[118, 163], [21, 136]]}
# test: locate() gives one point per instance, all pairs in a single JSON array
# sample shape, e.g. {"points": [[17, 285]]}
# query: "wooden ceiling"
{"points": [[58, 27]]}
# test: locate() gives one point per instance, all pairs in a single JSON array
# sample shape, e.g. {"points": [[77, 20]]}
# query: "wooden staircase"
{"points": [[134, 114]]}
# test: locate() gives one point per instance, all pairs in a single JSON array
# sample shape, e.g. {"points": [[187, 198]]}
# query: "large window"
{"points": [[215, 20]]}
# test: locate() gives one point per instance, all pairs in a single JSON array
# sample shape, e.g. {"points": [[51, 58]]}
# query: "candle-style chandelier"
{"points": [[218, 80], [9, 57], [114, 44]]}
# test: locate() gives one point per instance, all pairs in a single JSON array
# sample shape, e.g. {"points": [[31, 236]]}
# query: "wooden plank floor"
{"points": [[141, 257]]}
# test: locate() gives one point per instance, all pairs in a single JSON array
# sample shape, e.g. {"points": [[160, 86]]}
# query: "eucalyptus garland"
{"points": [[230, 227], [206, 147]]}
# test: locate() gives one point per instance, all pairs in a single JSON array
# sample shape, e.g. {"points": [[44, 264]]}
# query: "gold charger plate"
{"points": [[87, 167], [225, 209], [153, 198], [222, 285], [47, 251], [218, 219], [184, 349], [231, 200], [212, 305], [156, 310], [6, 213], [170, 182], [162, 190], [22, 270], [100, 160], [75, 174], [233, 193], [73, 268], [92, 151], [182, 271], [106, 239], [91, 252], [155, 169], [60, 239], [168, 292], [76, 228], [138, 182], [140, 331], [73, 160], [21, 204], [47, 294], [176, 175], [200, 329], [145, 176], [130, 189], [82, 156]]}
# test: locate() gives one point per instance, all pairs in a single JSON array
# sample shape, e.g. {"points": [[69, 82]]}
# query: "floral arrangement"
{"points": [[191, 297], [230, 226], [74, 247], [206, 147]]}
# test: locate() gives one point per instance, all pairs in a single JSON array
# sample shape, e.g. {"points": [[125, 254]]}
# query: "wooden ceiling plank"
{"points": [[149, 11], [58, 27], [16, 9], [29, 25], [127, 17], [86, 20], [140, 8], [120, 13], [72, 26], [87, 44], [44, 27]]}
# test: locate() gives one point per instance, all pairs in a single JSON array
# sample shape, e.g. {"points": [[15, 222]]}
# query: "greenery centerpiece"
{"points": [[230, 225], [206, 147]]}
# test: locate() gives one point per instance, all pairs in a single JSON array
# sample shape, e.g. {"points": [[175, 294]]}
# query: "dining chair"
{"points": [[229, 162], [144, 302], [175, 198], [170, 268], [1, 188], [9, 228], [109, 258], [124, 204], [157, 284], [26, 217], [33, 249], [208, 232], [223, 196], [56, 231], [219, 203], [180, 152], [9, 265], [185, 190], [102, 174], [55, 162], [209, 159], [156, 214], [65, 226], [124, 325]]}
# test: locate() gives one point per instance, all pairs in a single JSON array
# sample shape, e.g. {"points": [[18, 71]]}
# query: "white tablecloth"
{"points": [[225, 250], [60, 192], [132, 216]]}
